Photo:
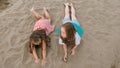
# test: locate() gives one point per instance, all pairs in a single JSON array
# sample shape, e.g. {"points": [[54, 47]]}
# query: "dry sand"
{"points": [[98, 49]]}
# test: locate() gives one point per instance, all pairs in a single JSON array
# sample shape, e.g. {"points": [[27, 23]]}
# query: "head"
{"points": [[36, 38], [68, 33]]}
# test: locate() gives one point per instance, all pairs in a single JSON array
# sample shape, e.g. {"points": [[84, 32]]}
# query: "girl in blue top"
{"points": [[70, 33]]}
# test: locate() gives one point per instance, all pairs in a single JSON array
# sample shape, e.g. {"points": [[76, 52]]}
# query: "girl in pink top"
{"points": [[39, 36]]}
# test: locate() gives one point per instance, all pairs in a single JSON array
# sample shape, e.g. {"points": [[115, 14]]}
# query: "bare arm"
{"points": [[44, 49], [35, 53], [74, 48], [65, 49], [43, 52], [65, 52]]}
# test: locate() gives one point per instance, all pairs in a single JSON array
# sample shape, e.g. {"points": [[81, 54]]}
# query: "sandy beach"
{"points": [[99, 48]]}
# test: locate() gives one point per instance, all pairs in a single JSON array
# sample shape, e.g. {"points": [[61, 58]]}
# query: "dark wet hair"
{"points": [[70, 33], [36, 36]]}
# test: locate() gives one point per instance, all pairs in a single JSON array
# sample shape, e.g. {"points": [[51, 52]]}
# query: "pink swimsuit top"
{"points": [[44, 24]]}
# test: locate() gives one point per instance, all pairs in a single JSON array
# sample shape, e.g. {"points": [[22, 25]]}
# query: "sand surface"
{"points": [[100, 47]]}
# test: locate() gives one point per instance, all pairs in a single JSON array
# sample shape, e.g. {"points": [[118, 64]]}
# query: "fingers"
{"points": [[65, 59], [72, 52]]}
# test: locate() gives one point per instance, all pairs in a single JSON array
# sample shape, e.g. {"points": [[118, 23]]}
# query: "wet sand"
{"points": [[99, 47]]}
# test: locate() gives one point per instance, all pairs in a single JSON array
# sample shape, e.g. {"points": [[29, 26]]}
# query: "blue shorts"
{"points": [[65, 20]]}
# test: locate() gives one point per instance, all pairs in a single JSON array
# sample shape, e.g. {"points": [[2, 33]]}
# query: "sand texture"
{"points": [[99, 48]]}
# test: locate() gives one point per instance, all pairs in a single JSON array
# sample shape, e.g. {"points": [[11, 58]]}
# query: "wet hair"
{"points": [[37, 36], [70, 33]]}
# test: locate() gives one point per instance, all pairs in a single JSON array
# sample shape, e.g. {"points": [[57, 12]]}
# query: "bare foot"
{"points": [[32, 9], [37, 60], [66, 4], [70, 4], [45, 9]]}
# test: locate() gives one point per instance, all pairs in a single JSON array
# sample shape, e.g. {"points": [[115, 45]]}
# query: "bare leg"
{"points": [[67, 15], [37, 15], [73, 17], [65, 52], [47, 16], [35, 55]]}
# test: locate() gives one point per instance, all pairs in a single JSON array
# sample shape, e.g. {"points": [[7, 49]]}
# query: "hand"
{"points": [[37, 60], [65, 58], [72, 52], [43, 62]]}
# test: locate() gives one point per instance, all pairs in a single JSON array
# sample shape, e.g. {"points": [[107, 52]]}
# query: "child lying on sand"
{"points": [[70, 33], [39, 36]]}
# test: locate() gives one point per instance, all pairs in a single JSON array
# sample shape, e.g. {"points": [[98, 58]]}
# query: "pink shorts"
{"points": [[44, 24]]}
